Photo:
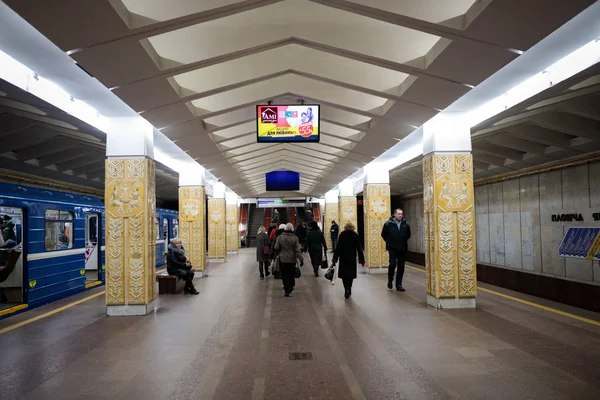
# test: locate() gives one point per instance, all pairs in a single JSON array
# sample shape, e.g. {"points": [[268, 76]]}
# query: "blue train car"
{"points": [[167, 228], [62, 238]]}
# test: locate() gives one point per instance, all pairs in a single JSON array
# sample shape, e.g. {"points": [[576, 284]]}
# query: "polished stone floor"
{"points": [[233, 341]]}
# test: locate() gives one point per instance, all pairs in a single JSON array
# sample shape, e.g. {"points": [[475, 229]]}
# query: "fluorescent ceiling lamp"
{"points": [[577, 61], [409, 154], [19, 75]]}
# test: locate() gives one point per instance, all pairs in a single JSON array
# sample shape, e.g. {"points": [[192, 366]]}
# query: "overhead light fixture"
{"points": [[24, 78]]}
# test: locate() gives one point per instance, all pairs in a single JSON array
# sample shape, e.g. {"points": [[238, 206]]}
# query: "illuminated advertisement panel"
{"points": [[287, 123]]}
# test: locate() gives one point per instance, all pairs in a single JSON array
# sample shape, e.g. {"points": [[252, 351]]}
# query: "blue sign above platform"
{"points": [[581, 242]]}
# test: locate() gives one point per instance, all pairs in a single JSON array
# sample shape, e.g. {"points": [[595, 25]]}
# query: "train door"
{"points": [[175, 223], [11, 263], [92, 248], [166, 233]]}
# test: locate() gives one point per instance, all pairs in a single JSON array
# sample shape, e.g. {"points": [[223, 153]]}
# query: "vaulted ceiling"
{"points": [[37, 139], [557, 125], [378, 68]]}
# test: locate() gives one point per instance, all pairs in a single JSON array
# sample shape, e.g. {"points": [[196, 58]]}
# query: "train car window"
{"points": [[165, 229], [157, 228], [58, 230], [90, 239], [175, 228]]}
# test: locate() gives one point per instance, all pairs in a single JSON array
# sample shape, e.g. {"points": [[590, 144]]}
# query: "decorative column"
{"points": [[130, 203], [217, 224], [233, 236], [332, 205], [376, 204], [192, 217], [449, 221], [347, 203]]}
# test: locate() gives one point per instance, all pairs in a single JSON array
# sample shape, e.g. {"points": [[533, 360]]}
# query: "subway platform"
{"points": [[238, 340]]}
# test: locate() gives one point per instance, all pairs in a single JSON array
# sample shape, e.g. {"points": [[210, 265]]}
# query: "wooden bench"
{"points": [[169, 284]]}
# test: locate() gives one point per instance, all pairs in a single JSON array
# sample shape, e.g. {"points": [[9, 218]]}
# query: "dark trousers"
{"points": [[263, 266], [287, 276], [185, 274], [315, 260], [347, 282], [397, 259], [333, 243]]}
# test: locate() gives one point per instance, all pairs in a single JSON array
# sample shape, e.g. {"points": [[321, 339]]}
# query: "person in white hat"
{"points": [[276, 234], [288, 250]]}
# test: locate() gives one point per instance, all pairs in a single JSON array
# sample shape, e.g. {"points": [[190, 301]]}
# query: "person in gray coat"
{"points": [[288, 250], [263, 251]]}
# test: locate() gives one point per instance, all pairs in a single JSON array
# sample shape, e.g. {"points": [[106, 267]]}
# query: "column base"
{"points": [[216, 260], [377, 271], [126, 310], [232, 252], [451, 303]]}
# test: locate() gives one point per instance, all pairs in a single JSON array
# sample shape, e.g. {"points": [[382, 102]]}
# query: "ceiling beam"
{"points": [[89, 169], [47, 148], [185, 68], [586, 107], [263, 78], [495, 150], [222, 89], [10, 123], [159, 28], [541, 135], [65, 156], [520, 144], [376, 61], [379, 62], [22, 140], [214, 129], [404, 21], [569, 124], [80, 163]]}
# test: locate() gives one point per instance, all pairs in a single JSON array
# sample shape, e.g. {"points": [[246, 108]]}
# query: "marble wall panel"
{"points": [[496, 218], [576, 188], [482, 224], [514, 226], [512, 223], [594, 177], [530, 223], [579, 269], [551, 202]]}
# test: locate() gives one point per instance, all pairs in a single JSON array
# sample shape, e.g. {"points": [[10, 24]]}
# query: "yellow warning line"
{"points": [[49, 313], [13, 309], [92, 284], [530, 303]]}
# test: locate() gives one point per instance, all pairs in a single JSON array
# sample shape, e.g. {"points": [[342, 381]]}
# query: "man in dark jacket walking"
{"points": [[334, 233], [396, 233]]}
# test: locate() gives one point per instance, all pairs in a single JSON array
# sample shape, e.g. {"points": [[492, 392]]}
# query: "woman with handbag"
{"points": [[348, 246], [288, 251], [315, 246], [263, 250]]}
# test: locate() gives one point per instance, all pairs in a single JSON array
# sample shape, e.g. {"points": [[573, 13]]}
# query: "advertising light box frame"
{"points": [[297, 138]]}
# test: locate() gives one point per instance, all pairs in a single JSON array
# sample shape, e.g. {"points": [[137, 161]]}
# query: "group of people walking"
{"points": [[283, 247]]}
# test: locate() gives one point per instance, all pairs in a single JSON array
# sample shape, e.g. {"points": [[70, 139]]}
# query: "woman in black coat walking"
{"points": [[348, 246], [314, 244]]}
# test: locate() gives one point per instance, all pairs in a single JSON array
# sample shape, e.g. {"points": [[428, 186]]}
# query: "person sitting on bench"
{"points": [[178, 265]]}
